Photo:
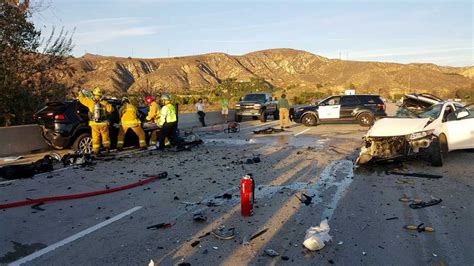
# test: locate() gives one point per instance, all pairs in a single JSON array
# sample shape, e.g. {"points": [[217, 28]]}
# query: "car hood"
{"points": [[249, 102], [390, 127]]}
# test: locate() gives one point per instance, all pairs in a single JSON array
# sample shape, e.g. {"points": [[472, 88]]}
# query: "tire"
{"points": [[238, 118], [276, 115], [263, 117], [439, 151], [366, 119], [309, 120], [83, 143]]}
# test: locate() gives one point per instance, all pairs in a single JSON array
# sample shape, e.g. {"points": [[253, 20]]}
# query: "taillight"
{"points": [[59, 117], [49, 114], [381, 106]]}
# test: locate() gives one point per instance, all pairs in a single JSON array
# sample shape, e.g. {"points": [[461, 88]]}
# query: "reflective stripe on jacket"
{"points": [[168, 114]]}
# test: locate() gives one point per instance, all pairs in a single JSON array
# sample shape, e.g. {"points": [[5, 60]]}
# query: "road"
{"points": [[112, 228]]}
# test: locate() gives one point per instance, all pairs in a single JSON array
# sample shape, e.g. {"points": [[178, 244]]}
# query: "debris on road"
{"points": [[271, 253], [11, 158], [392, 218], [223, 233], [77, 158], [159, 226], [28, 170], [419, 228], [232, 127], [317, 236], [37, 206], [195, 243], [422, 175], [305, 199], [419, 205], [199, 217], [269, 130], [259, 233], [404, 198], [405, 181]]}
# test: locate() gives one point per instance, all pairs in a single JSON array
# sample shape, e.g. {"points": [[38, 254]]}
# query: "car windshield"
{"points": [[255, 97], [432, 112]]}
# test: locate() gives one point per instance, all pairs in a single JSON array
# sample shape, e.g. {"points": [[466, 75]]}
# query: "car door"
{"points": [[348, 104], [460, 131], [330, 108]]}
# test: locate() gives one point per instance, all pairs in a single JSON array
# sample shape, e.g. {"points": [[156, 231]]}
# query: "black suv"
{"points": [[66, 124], [361, 108]]}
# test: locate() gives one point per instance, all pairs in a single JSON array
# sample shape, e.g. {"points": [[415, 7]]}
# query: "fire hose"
{"points": [[82, 195]]}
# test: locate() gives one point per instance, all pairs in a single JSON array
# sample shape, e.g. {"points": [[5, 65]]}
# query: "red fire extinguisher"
{"points": [[247, 197]]}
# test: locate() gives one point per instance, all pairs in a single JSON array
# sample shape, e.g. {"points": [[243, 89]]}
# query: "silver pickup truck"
{"points": [[256, 105]]}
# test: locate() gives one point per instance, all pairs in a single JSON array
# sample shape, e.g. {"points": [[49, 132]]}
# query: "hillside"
{"points": [[288, 69]]}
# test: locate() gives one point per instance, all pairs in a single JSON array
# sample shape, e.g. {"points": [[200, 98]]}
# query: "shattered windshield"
{"points": [[432, 112]]}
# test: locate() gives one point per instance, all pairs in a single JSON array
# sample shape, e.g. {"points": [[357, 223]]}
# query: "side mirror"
{"points": [[462, 114]]}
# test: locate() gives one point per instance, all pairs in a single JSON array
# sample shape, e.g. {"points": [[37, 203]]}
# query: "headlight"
{"points": [[419, 135], [257, 106]]}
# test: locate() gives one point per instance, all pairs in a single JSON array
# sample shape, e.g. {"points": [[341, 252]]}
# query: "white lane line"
{"points": [[306, 130], [74, 237]]}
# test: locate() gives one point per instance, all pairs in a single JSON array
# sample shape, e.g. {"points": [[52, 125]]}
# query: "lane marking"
{"points": [[74, 237], [306, 130]]}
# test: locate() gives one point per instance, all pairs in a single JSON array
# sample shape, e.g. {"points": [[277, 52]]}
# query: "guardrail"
{"points": [[27, 138]]}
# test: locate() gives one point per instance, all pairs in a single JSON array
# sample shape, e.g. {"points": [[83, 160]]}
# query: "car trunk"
{"points": [[52, 112], [421, 101]]}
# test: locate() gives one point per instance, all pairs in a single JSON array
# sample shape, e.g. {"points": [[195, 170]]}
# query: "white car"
{"points": [[433, 132]]}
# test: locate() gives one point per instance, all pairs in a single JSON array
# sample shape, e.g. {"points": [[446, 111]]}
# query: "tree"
{"points": [[29, 77]]}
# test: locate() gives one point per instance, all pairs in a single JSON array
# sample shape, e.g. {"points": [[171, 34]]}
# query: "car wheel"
{"points": [[276, 115], [366, 119], [238, 118], [263, 117], [309, 120], [83, 143], [439, 150]]}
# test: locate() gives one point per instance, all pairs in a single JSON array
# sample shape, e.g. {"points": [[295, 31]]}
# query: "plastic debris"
{"points": [[271, 253], [199, 217], [419, 205], [223, 233], [317, 236], [305, 199]]}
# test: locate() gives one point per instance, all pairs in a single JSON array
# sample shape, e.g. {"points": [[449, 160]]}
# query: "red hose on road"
{"points": [[82, 195]]}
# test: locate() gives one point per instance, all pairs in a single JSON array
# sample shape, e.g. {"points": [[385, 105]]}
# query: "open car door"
{"points": [[460, 128]]}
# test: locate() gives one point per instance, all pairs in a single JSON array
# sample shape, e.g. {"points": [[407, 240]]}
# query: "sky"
{"points": [[423, 31]]}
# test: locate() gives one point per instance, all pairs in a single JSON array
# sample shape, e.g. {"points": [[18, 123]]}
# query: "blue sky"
{"points": [[436, 31]]}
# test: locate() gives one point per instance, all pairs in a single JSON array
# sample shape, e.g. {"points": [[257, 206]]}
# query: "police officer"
{"points": [[129, 120], [99, 109], [168, 122]]}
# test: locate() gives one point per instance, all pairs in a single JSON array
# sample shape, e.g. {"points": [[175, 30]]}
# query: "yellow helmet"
{"points": [[97, 92]]}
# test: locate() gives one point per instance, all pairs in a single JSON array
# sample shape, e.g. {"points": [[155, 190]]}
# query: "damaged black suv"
{"points": [[66, 125], [363, 109]]}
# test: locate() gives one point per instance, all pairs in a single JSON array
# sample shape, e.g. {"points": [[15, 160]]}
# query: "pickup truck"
{"points": [[256, 105]]}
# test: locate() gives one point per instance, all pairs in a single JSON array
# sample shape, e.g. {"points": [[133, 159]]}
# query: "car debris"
{"points": [[422, 175], [431, 133], [391, 218], [11, 158], [271, 253], [199, 217], [159, 226], [405, 181], [304, 199], [77, 158], [317, 236], [37, 206], [419, 205], [223, 233], [420, 228], [268, 130], [28, 170], [404, 198], [232, 127]]}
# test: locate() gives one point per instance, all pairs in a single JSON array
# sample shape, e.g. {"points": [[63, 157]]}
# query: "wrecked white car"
{"points": [[431, 133]]}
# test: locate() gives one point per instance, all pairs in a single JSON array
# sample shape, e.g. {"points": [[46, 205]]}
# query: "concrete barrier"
{"points": [[27, 138], [21, 140]]}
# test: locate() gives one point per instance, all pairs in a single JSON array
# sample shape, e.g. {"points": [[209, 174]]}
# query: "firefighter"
{"points": [[153, 116], [168, 122], [129, 120], [99, 109]]}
